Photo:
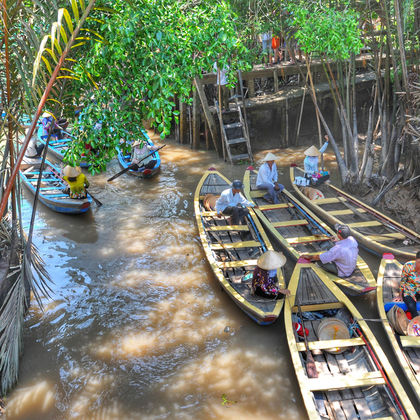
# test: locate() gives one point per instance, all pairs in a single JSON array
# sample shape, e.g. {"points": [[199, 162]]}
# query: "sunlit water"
{"points": [[137, 327]]}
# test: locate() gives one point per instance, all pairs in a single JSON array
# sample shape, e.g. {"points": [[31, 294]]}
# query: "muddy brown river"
{"points": [[137, 326]]}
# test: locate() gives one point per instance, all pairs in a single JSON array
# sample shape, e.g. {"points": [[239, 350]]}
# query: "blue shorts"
{"points": [[266, 45]]}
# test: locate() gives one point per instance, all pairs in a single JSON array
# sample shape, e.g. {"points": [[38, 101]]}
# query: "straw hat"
{"points": [[269, 156], [136, 143], [398, 319], [72, 172], [271, 260], [413, 327], [46, 114], [312, 151]]}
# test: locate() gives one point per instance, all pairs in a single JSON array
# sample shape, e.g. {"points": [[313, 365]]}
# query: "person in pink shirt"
{"points": [[341, 259]]}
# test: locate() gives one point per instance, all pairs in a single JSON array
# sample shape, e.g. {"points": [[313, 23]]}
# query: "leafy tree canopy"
{"points": [[152, 53]]}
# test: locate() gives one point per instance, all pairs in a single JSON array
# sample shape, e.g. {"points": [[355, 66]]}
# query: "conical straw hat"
{"points": [[269, 156], [413, 327], [271, 260], [72, 172], [398, 319], [312, 151]]}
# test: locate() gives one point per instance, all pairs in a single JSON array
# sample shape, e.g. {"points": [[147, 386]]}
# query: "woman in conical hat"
{"points": [[264, 280], [141, 149], [310, 164], [267, 179], [77, 182]]}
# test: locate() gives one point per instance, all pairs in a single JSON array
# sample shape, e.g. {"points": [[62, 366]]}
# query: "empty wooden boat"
{"points": [[406, 348], [299, 231], [340, 378], [52, 185], [142, 172], [373, 230], [232, 251]]}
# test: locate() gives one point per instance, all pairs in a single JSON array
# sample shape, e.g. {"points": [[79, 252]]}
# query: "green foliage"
{"points": [[324, 30], [154, 51]]}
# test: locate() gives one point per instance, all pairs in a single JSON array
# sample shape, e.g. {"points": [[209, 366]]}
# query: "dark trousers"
{"points": [[330, 267], [236, 213], [411, 304]]}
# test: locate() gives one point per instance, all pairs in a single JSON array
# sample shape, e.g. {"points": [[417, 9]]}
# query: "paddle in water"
{"points": [[134, 165], [310, 362]]}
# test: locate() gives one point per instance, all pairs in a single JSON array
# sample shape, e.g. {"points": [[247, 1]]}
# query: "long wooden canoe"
{"points": [[51, 192], [406, 348], [358, 383], [373, 230], [299, 231], [232, 251], [142, 172]]}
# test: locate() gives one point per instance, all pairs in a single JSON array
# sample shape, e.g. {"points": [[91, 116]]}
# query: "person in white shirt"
{"points": [[232, 203], [267, 179], [221, 79]]}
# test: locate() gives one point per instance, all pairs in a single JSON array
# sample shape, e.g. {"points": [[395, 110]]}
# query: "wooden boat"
{"points": [[232, 251], [355, 379], [125, 162], [406, 348], [372, 229], [52, 185], [299, 231], [57, 147]]}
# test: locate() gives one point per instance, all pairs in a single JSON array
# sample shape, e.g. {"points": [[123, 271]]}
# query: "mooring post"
{"points": [[195, 121], [182, 122]]}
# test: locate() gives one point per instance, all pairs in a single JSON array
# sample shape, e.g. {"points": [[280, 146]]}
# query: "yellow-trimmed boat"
{"points": [[299, 231], [406, 348], [232, 251], [353, 378], [372, 229]]}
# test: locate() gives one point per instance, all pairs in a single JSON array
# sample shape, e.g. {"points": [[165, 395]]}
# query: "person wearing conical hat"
{"points": [[233, 204], [139, 150], [264, 279], [77, 182], [310, 164], [267, 178]]}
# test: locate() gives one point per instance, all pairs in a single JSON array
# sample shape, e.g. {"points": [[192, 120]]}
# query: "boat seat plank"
{"points": [[290, 223], [258, 193], [37, 173], [228, 227], [244, 244], [57, 195], [345, 381], [267, 207], [51, 188], [330, 200], [368, 223], [236, 264], [409, 341], [45, 179], [386, 237], [344, 212], [307, 239], [209, 213], [328, 344]]}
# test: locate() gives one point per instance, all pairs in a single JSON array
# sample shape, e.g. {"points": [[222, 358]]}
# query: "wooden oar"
{"points": [[133, 165], [310, 362], [98, 203]]}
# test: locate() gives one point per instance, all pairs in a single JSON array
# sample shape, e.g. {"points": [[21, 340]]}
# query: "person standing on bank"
{"points": [[310, 164], [341, 259], [267, 179], [410, 285], [232, 203], [221, 80]]}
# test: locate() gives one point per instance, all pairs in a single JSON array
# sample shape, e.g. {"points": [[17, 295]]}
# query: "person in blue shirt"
{"points": [[267, 179], [310, 164]]}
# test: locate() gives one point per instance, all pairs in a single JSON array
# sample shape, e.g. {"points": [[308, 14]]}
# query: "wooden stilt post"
{"points": [[251, 88], [195, 121], [287, 122], [276, 81], [206, 134], [182, 122]]}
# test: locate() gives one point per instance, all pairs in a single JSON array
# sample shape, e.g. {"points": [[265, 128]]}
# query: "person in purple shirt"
{"points": [[341, 259]]}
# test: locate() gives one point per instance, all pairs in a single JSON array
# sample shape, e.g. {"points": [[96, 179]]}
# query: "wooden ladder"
{"points": [[235, 128]]}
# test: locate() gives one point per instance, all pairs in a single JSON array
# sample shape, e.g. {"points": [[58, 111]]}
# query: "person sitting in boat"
{"points": [[410, 285], [140, 149], [267, 178], [57, 127], [310, 164], [34, 150], [341, 259], [264, 280], [77, 182], [232, 203]]}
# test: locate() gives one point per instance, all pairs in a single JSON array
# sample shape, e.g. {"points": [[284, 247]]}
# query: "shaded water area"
{"points": [[137, 326]]}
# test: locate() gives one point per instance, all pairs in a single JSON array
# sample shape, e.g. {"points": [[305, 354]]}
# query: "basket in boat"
{"points": [[333, 329]]}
